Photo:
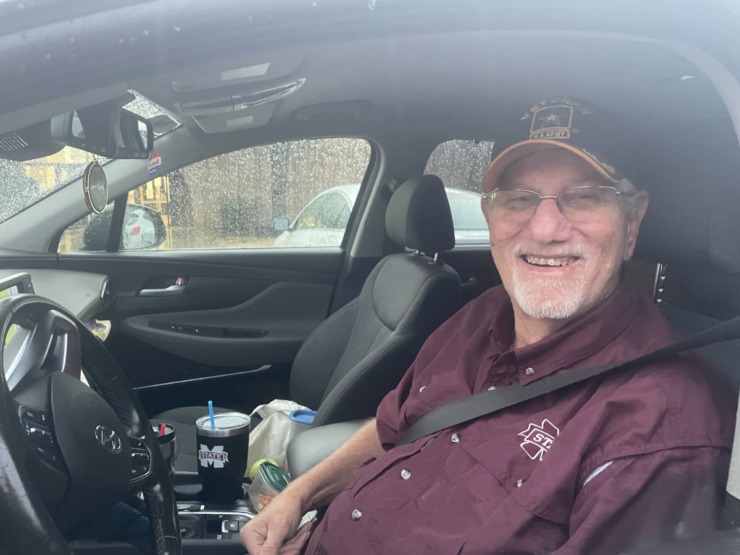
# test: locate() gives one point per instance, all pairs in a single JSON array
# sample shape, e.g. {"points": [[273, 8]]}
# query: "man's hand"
{"points": [[274, 531], [266, 533]]}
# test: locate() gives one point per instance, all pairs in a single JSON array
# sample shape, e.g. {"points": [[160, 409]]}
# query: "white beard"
{"points": [[548, 298]]}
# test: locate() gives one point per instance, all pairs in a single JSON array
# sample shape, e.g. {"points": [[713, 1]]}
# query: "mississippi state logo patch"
{"points": [[215, 457], [538, 439]]}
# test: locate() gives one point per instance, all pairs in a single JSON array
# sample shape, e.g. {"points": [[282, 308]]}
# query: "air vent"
{"points": [[12, 142], [29, 143]]}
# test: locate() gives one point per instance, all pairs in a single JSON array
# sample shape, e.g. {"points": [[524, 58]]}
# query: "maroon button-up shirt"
{"points": [[634, 457]]}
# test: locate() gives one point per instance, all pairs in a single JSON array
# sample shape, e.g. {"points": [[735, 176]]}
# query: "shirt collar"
{"points": [[577, 340]]}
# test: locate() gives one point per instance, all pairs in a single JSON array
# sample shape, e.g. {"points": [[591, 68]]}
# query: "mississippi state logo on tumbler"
{"points": [[216, 457], [223, 446]]}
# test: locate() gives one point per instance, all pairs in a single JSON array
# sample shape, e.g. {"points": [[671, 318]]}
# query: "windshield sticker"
{"points": [[155, 162]]}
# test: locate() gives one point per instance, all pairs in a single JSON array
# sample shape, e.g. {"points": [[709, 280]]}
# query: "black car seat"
{"points": [[697, 243], [705, 299], [358, 354]]}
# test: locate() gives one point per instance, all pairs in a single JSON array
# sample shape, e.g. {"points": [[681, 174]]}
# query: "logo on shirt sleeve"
{"points": [[538, 439]]}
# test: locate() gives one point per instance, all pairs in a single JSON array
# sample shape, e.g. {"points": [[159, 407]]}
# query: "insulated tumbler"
{"points": [[222, 455]]}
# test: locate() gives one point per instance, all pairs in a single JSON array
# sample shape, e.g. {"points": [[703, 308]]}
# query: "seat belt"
{"points": [[488, 402]]}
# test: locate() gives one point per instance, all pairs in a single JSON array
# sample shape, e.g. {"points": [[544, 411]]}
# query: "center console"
{"points": [[208, 528]]}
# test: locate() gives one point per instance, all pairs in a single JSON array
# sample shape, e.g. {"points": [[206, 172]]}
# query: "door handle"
{"points": [[176, 287], [169, 291]]}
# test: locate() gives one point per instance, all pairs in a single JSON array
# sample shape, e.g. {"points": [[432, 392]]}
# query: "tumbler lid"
{"points": [[225, 424]]}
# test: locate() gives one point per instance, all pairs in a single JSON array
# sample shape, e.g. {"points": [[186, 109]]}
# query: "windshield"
{"points": [[22, 183]]}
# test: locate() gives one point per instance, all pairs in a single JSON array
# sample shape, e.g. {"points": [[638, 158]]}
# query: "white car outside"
{"points": [[322, 221]]}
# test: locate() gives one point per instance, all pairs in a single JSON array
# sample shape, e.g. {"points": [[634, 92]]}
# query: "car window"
{"points": [[246, 199], [25, 182], [466, 211], [460, 165], [343, 216]]}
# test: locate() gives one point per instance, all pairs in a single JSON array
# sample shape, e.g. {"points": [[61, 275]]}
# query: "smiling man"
{"points": [[632, 458]]}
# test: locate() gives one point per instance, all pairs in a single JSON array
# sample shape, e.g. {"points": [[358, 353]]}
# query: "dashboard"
{"points": [[82, 293]]}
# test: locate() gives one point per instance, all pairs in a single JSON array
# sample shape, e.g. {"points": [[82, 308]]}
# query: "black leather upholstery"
{"points": [[692, 218], [725, 356], [403, 300], [346, 366], [419, 217], [692, 226]]}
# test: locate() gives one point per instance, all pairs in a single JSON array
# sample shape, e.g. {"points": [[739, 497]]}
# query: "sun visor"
{"points": [[692, 173]]}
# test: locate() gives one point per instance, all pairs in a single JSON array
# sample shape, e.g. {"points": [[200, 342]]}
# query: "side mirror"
{"points": [[281, 224], [106, 130], [143, 228]]}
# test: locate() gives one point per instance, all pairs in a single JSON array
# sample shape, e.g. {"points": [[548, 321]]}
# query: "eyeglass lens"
{"points": [[577, 204]]}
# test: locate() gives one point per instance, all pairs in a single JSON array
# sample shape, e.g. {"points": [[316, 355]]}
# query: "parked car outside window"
{"points": [[322, 222]]}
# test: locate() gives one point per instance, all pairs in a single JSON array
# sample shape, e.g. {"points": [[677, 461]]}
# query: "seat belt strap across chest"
{"points": [[488, 402]]}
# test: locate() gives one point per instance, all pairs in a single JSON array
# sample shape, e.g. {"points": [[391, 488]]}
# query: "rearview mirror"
{"points": [[106, 130]]}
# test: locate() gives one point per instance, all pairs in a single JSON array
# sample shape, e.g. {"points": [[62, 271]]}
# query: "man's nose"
{"points": [[548, 223]]}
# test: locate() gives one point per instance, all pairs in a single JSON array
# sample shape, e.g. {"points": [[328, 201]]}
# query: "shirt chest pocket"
{"points": [[525, 465], [504, 458]]}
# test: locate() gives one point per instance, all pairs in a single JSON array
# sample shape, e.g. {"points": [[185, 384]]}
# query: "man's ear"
{"points": [[641, 200]]}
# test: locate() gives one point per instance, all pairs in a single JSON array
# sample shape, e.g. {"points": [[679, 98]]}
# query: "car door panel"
{"points": [[252, 309], [267, 328]]}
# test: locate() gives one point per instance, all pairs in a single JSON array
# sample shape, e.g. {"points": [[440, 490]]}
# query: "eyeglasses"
{"points": [[578, 204]]}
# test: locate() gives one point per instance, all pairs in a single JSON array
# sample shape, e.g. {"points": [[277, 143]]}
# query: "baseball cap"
{"points": [[567, 123]]}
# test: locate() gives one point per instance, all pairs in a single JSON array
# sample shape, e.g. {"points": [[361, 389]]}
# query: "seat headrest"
{"points": [[691, 172], [419, 217]]}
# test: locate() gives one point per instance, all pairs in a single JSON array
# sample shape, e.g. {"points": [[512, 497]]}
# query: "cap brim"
{"points": [[524, 148]]}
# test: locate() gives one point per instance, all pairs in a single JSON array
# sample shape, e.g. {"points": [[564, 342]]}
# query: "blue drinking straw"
{"points": [[210, 414]]}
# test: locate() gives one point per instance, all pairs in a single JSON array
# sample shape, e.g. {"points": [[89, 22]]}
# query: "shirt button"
{"points": [[491, 388], [529, 371], [455, 438], [405, 474], [356, 514], [518, 484], [422, 388]]}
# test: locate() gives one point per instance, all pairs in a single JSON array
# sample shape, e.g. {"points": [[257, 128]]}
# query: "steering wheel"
{"points": [[68, 451]]}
